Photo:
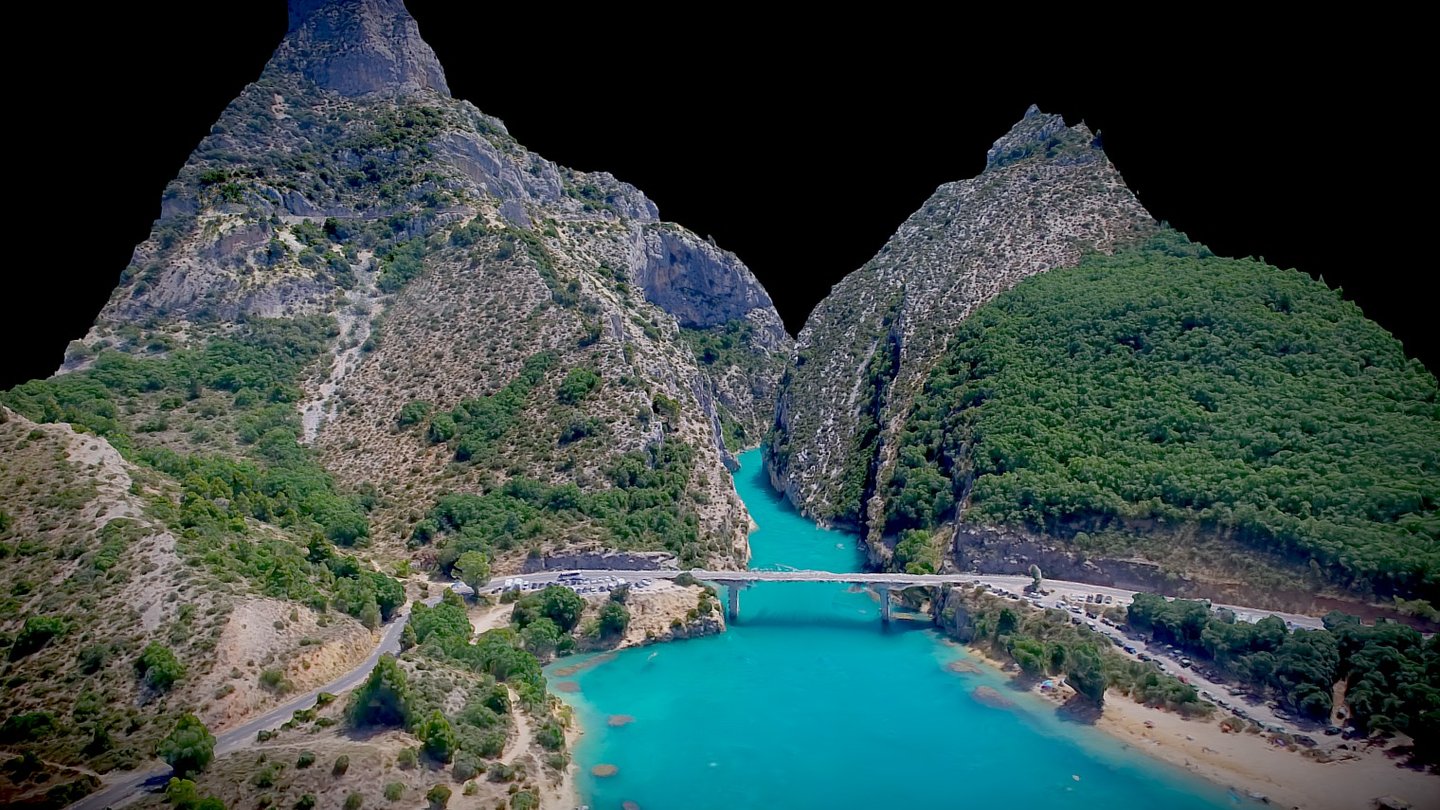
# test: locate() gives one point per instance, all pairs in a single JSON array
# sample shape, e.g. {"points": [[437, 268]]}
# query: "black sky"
{"points": [[801, 146]]}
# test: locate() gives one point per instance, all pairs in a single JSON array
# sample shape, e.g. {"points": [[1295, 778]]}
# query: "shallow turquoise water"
{"points": [[808, 702]]}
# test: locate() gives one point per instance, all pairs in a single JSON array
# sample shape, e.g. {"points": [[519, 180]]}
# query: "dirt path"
{"points": [[354, 321], [523, 734], [483, 619]]}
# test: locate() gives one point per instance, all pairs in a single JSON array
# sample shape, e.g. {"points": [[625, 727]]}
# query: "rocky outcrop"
{"points": [[1047, 195], [358, 47], [951, 615], [596, 560], [700, 284]]}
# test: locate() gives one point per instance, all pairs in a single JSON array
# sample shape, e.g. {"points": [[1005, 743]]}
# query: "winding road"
{"points": [[133, 784]]}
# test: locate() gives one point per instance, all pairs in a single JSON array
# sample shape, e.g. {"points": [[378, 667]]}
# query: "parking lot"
{"points": [[583, 585]]}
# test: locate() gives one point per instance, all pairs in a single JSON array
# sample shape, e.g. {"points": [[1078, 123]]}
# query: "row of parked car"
{"points": [[577, 583]]}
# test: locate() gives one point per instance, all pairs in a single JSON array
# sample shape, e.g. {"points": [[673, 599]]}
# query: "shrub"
{"points": [[407, 759], [36, 633], [466, 767], [274, 680], [577, 385], [27, 726], [342, 764], [438, 797], [267, 777], [159, 666], [551, 736], [189, 747], [394, 791], [439, 737], [305, 802], [183, 794], [414, 413], [383, 700], [354, 801], [306, 759], [614, 618]]}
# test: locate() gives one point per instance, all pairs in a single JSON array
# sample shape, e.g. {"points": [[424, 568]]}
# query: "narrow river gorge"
{"points": [[808, 701]]}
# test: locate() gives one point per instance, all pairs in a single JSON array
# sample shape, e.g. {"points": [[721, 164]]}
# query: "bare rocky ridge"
{"points": [[1047, 195]]}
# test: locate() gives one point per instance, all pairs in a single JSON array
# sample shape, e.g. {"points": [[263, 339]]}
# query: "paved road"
{"points": [[1063, 595], [131, 785], [1121, 596]]}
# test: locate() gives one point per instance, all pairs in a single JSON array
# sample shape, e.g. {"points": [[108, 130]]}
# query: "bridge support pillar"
{"points": [[884, 591], [732, 603]]}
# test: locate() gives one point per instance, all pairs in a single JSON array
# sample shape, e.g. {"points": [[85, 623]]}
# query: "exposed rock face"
{"points": [[1047, 195], [358, 47], [701, 285], [614, 560]]}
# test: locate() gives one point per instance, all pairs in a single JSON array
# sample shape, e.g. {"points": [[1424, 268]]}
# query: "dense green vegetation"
{"points": [[1392, 673], [556, 603], [475, 425], [647, 507], [402, 263], [257, 366], [1046, 642], [1163, 383]]}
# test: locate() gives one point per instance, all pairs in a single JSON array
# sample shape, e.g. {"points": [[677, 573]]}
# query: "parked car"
{"points": [[1331, 731]]}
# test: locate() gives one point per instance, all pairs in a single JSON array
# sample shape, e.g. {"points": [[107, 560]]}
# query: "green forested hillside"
{"points": [[1164, 383]]}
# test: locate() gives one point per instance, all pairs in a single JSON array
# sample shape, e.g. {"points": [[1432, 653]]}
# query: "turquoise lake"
{"points": [[808, 702]]}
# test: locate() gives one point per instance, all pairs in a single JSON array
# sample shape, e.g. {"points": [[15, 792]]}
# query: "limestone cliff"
{"points": [[1047, 195]]}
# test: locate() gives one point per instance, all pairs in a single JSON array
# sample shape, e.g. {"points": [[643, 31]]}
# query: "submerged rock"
{"points": [[988, 696]]}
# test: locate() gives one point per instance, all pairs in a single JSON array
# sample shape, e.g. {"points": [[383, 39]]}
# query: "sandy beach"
{"points": [[1249, 764]]}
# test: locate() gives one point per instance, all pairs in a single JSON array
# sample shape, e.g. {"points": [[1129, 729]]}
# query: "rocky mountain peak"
{"points": [[1047, 195], [359, 47], [1038, 133]]}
